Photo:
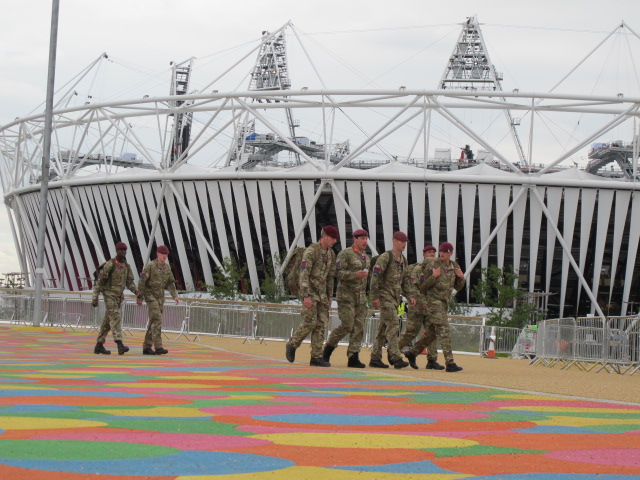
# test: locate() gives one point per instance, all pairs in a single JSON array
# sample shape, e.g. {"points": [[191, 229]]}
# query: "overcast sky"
{"points": [[533, 42]]}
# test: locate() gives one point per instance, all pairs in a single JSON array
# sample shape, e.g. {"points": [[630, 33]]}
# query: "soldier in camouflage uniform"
{"points": [[115, 275], [352, 271], [389, 280], [317, 270], [442, 275], [154, 279], [417, 317]]}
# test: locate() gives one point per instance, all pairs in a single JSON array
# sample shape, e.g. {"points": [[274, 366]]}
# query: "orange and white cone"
{"points": [[491, 352]]}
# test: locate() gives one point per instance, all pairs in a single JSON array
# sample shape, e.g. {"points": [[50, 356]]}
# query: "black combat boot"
{"points": [[452, 367], [378, 364], [148, 351], [290, 353], [326, 353], [319, 362], [433, 365], [412, 359], [122, 348], [354, 361], [161, 351], [398, 364], [99, 349]]}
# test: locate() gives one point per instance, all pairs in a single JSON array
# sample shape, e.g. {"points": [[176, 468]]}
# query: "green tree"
{"points": [[272, 286], [499, 290], [227, 280]]}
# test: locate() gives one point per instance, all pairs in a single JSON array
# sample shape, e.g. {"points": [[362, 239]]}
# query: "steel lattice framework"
{"points": [[117, 176]]}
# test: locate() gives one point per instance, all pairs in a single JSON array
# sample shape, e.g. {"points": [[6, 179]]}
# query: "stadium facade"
{"points": [[571, 235]]}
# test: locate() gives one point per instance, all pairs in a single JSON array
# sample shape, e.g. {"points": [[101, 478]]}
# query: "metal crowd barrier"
{"points": [[251, 321], [611, 343]]}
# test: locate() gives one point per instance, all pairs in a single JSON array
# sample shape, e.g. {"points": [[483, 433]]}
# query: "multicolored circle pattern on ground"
{"points": [[204, 413]]}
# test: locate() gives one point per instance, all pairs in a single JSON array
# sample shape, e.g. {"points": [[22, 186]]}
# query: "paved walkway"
{"points": [[203, 413]]}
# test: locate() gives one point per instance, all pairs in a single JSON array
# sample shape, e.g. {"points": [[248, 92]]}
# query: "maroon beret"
{"points": [[121, 246], [331, 231], [361, 232], [163, 249], [401, 236], [446, 247], [429, 248]]}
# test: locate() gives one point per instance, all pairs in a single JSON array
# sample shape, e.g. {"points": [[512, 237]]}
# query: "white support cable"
{"points": [[372, 140], [567, 251], [620, 118], [354, 217], [63, 242], [445, 112]]}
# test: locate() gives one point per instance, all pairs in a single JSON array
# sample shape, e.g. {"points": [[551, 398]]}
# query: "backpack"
{"points": [[291, 272], [98, 272]]}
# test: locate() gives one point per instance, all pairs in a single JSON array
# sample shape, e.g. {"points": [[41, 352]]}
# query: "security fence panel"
{"points": [[467, 336], [588, 343], [371, 328], [554, 341], [617, 348], [17, 308], [232, 320], [204, 320], [55, 310], [134, 316], [276, 322], [174, 317], [525, 346]]}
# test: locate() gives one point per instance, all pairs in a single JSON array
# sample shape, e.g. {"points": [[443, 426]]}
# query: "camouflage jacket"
{"points": [[390, 278], [438, 289], [155, 278], [349, 262], [113, 279], [317, 270]]}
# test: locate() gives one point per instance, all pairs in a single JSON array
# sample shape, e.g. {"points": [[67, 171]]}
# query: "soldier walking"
{"points": [[390, 279], [317, 270], [115, 276], [154, 279], [417, 317], [352, 272], [442, 275]]}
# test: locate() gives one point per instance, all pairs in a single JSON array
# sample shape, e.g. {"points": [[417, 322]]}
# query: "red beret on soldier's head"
{"points": [[331, 231], [121, 246], [429, 248], [401, 236], [163, 249], [361, 232], [446, 247]]}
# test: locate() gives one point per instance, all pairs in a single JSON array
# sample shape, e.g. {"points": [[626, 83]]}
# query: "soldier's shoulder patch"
{"points": [[338, 264], [377, 269], [303, 264], [143, 275]]}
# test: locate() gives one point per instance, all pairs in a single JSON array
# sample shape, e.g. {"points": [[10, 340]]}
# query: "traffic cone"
{"points": [[491, 352]]}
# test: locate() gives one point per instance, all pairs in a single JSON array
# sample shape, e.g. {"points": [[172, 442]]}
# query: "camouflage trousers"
{"points": [[153, 337], [416, 320], [437, 316], [314, 321], [387, 333], [352, 317], [112, 320]]}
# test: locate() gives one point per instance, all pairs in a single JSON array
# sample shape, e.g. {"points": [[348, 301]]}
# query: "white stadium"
{"points": [[252, 173]]}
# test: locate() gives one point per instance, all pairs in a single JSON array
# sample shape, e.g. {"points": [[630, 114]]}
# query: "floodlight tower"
{"points": [[180, 78], [270, 72], [470, 68]]}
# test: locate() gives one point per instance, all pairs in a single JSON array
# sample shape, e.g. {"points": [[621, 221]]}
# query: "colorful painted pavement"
{"points": [[202, 413]]}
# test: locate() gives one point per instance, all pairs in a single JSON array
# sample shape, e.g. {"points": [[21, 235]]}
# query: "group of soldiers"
{"points": [[116, 275], [428, 287]]}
